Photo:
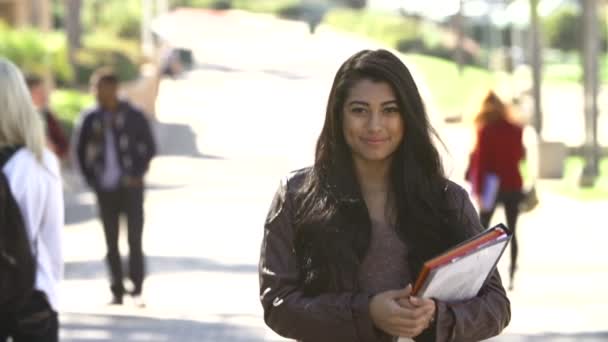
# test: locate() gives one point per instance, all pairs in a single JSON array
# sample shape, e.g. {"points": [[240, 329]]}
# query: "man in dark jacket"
{"points": [[114, 146]]}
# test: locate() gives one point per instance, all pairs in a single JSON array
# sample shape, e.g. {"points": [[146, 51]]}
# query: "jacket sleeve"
{"points": [[81, 134], [326, 317], [146, 146], [483, 316]]}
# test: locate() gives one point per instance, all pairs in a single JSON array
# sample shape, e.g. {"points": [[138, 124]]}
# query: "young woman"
{"points": [[345, 239], [34, 180], [498, 150]]}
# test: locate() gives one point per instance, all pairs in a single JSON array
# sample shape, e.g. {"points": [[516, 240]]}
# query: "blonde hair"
{"points": [[20, 123]]}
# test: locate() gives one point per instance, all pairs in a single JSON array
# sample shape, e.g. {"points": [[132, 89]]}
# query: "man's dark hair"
{"points": [[33, 81], [105, 75]]}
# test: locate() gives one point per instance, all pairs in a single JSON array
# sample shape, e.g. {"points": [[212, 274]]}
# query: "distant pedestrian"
{"points": [[114, 147], [56, 137], [33, 178], [345, 239], [170, 62], [498, 150]]}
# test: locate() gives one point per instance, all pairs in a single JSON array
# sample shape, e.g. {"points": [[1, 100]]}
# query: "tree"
{"points": [[563, 29], [356, 3], [73, 26]]}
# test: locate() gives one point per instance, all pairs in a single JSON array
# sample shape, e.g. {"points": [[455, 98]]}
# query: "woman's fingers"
{"points": [[399, 314]]}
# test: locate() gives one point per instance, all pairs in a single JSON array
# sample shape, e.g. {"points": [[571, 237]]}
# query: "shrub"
{"points": [[104, 49], [563, 29], [120, 18], [222, 5], [384, 27], [36, 52], [67, 104]]}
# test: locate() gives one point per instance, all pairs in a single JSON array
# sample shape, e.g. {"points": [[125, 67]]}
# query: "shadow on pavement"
{"points": [[284, 74], [554, 337], [77, 209], [159, 186], [95, 327], [289, 75], [178, 140], [96, 269], [76, 212], [216, 67]]}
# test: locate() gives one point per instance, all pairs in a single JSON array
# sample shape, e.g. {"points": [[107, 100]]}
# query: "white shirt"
{"points": [[37, 189], [110, 179]]}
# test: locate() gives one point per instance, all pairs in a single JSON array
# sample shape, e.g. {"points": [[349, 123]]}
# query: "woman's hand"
{"points": [[387, 314], [398, 314], [421, 313]]}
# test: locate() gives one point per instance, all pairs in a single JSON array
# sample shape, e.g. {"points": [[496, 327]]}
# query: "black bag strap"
{"points": [[6, 152]]}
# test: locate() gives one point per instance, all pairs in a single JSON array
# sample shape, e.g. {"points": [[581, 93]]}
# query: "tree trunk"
{"points": [[73, 26]]}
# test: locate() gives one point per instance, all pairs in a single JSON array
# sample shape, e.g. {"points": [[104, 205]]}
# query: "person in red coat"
{"points": [[499, 149], [57, 140]]}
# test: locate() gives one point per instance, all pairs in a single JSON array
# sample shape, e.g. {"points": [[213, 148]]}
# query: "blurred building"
{"points": [[22, 13]]}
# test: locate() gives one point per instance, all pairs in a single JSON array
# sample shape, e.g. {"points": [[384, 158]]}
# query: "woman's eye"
{"points": [[391, 110], [358, 110]]}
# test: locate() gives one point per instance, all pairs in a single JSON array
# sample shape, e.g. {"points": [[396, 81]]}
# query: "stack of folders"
{"points": [[459, 273]]}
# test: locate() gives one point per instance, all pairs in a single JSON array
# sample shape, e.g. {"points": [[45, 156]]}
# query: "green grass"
{"points": [[452, 92], [263, 6], [386, 28], [67, 105], [563, 73], [568, 186], [572, 71]]}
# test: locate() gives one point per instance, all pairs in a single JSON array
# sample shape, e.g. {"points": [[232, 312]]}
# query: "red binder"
{"points": [[459, 273]]}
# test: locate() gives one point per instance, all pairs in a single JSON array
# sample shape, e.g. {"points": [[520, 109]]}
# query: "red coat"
{"points": [[499, 150]]}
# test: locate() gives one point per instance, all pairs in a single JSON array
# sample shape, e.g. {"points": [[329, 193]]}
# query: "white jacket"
{"points": [[38, 191]]}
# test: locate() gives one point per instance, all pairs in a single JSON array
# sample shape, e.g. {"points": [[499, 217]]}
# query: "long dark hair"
{"points": [[332, 224]]}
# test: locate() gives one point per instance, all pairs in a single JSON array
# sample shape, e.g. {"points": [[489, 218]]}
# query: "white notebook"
{"points": [[459, 273]]}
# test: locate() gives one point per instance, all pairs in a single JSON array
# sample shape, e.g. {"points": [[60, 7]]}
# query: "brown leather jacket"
{"points": [[344, 316]]}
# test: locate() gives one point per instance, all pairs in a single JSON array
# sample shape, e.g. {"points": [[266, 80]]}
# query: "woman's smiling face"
{"points": [[373, 125]]}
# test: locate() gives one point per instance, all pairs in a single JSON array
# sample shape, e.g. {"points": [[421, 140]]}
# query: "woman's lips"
{"points": [[374, 141]]}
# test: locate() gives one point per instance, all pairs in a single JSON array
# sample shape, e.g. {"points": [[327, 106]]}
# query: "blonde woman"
{"points": [[32, 174]]}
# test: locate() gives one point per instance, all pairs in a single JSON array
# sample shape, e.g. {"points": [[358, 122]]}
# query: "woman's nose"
{"points": [[375, 121]]}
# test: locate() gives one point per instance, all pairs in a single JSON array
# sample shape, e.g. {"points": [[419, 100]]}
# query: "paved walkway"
{"points": [[227, 132]]}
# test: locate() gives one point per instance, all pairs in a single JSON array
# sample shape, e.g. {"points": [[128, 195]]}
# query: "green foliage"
{"points": [[563, 29], [36, 52], [451, 92], [355, 4], [119, 17], [104, 49], [260, 6], [193, 3], [68, 104], [384, 27], [263, 6]]}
